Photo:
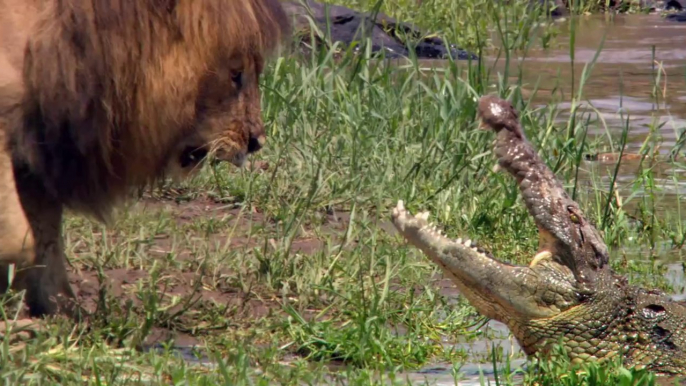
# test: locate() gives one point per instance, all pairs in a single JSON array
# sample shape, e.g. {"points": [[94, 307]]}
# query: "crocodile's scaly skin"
{"points": [[568, 294]]}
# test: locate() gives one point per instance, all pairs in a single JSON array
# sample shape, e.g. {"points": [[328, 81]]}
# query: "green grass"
{"points": [[287, 272]]}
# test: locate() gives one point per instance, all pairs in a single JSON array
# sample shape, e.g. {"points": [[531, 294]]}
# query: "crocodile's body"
{"points": [[335, 23], [568, 294]]}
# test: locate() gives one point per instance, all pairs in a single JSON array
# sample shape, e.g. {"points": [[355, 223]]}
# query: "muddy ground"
{"points": [[120, 283], [110, 289]]}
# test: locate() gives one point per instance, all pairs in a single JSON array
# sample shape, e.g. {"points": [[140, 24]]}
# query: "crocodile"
{"points": [[568, 296], [335, 23]]}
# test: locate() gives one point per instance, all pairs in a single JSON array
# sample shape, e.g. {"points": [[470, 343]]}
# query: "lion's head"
{"points": [[118, 93], [228, 117]]}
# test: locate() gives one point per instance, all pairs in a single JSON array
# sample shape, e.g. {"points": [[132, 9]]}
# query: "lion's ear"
{"points": [[166, 5]]}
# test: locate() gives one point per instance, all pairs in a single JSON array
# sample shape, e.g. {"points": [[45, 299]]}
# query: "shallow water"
{"points": [[623, 85]]}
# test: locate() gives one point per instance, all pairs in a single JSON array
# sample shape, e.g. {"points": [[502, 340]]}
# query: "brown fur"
{"points": [[98, 97], [16, 239]]}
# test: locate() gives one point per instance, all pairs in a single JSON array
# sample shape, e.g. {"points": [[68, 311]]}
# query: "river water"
{"points": [[638, 84]]}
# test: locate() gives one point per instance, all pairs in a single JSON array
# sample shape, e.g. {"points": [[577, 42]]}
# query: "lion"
{"points": [[101, 97]]}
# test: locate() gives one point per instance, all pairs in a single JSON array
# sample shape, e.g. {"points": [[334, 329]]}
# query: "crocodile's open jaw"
{"points": [[419, 231], [498, 290], [567, 294]]}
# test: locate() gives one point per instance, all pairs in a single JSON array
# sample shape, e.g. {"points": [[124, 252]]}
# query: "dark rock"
{"points": [[660, 5], [681, 16], [348, 26], [556, 8], [675, 5]]}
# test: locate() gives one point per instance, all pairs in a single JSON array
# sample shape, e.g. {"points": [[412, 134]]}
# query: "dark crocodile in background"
{"points": [[349, 26], [680, 16], [396, 38]]}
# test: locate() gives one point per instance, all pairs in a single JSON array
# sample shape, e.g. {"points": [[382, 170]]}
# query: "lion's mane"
{"points": [[110, 87]]}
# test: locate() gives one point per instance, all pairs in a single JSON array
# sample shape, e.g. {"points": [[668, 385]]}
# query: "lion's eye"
{"points": [[237, 79]]}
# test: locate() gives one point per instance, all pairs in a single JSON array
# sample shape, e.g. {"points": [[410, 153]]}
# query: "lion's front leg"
{"points": [[46, 282], [16, 238]]}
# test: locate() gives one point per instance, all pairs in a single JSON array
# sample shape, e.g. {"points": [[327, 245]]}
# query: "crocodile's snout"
{"points": [[498, 114]]}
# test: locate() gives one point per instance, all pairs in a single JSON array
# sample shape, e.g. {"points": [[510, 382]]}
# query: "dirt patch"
{"points": [[159, 336], [191, 303], [240, 223], [19, 330], [130, 287]]}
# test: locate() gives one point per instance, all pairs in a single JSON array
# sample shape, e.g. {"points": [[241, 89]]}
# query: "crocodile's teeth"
{"points": [[540, 256], [422, 215], [468, 243], [459, 240]]}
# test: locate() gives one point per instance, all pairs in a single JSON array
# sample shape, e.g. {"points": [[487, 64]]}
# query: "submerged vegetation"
{"points": [[289, 272]]}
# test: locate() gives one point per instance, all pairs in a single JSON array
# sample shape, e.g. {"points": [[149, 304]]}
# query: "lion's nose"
{"points": [[256, 143]]}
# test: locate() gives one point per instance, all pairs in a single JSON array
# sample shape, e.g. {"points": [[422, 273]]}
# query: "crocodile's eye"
{"points": [[574, 218]]}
